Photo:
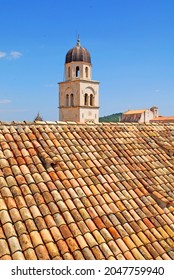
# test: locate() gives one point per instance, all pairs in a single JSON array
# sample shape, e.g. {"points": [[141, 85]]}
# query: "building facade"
{"points": [[140, 116], [78, 94]]}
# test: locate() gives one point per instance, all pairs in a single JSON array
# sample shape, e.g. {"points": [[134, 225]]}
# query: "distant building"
{"points": [[163, 119], [140, 116], [78, 94], [38, 117]]}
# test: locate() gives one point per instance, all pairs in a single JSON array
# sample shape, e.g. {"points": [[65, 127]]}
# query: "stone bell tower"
{"points": [[78, 94]]}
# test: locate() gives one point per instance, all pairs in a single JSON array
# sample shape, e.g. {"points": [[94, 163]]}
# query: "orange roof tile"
{"points": [[72, 191], [163, 119], [130, 112]]}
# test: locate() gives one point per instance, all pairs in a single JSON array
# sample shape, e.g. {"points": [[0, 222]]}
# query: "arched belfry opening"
{"points": [[86, 72], [78, 94], [86, 99], [72, 99], [67, 99], [77, 72], [69, 72], [91, 100]]}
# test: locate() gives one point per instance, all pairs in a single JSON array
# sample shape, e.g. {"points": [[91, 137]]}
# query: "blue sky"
{"points": [[131, 44]]}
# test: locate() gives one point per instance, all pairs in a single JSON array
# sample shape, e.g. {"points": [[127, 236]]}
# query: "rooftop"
{"points": [[163, 119], [130, 112], [86, 191]]}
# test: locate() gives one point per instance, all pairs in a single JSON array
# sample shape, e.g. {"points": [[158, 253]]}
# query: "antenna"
{"points": [[78, 39]]}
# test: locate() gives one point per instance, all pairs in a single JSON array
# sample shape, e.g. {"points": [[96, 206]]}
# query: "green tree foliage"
{"points": [[111, 118]]}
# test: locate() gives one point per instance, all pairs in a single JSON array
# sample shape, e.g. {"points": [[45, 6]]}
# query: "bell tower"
{"points": [[78, 94]]}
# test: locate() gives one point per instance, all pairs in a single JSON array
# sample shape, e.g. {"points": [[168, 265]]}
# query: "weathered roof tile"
{"points": [[41, 252], [88, 254], [98, 253]]}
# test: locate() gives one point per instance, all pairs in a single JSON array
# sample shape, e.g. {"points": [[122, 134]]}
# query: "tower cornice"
{"points": [[79, 80]]}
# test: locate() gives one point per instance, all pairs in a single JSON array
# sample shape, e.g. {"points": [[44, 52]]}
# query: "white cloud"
{"points": [[2, 54], [11, 55], [15, 54], [5, 101]]}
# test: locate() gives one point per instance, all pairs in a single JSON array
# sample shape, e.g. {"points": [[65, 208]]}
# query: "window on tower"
{"points": [[86, 99], [72, 100], [68, 72], [67, 100], [77, 72], [86, 71], [91, 100]]}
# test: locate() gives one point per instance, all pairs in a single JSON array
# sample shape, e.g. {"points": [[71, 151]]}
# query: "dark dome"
{"points": [[78, 54]]}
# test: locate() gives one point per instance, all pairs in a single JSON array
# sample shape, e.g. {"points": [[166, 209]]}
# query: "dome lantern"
{"points": [[78, 53]]}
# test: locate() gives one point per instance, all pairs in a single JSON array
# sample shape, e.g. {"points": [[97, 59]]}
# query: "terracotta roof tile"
{"points": [[98, 253], [98, 237], [137, 254], [128, 256], [74, 229], [170, 242], [143, 238], [114, 232], [171, 254], [78, 255], [121, 244], [156, 234], [136, 240], [129, 112], [25, 242], [65, 231], [84, 214], [150, 236], [9, 230], [41, 252], [88, 254], [169, 231], [20, 228], [81, 241], [165, 257], [90, 239], [106, 250], [53, 250], [72, 191], [98, 222], [152, 251], [14, 244], [6, 257], [83, 227], [4, 248], [130, 244], [18, 256], [106, 221]]}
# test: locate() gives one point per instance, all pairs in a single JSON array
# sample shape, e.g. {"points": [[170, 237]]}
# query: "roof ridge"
{"points": [[21, 123]]}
